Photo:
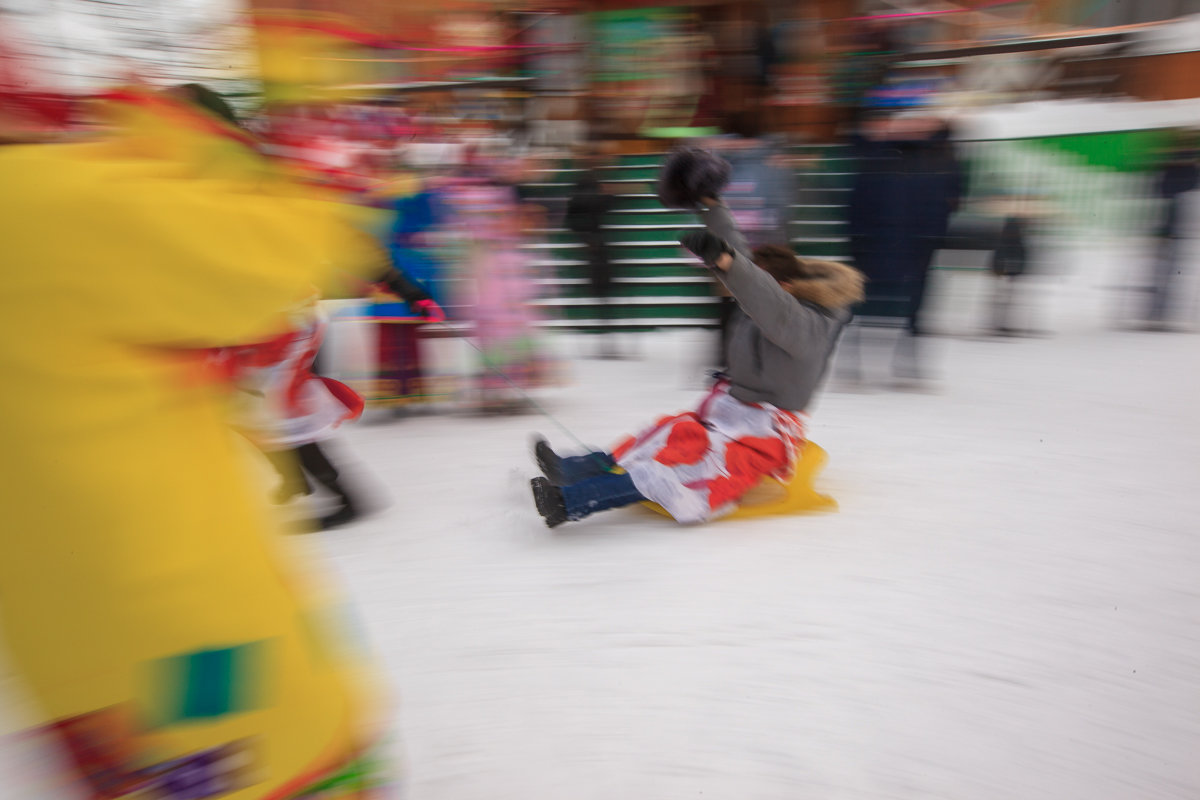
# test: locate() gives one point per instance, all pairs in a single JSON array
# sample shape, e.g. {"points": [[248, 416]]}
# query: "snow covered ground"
{"points": [[1006, 605]]}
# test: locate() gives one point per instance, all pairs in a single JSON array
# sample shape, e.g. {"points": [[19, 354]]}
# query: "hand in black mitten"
{"points": [[690, 175], [705, 246]]}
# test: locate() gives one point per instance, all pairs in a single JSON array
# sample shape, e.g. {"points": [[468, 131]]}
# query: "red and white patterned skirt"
{"points": [[698, 464]]}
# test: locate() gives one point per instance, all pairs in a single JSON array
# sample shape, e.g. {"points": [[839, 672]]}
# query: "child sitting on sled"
{"points": [[698, 464]]}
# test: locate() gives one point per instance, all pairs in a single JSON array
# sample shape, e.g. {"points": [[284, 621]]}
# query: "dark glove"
{"points": [[705, 246], [402, 286]]}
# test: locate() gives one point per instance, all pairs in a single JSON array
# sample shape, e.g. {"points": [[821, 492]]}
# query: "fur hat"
{"points": [[826, 283], [689, 175]]}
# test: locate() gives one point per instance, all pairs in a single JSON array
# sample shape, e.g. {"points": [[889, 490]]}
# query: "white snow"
{"points": [[1006, 605]]}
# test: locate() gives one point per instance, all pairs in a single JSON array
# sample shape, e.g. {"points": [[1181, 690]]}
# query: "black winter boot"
{"points": [[347, 513], [548, 461], [316, 464], [549, 501], [572, 469]]}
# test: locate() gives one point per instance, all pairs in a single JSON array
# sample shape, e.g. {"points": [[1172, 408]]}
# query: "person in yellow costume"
{"points": [[145, 599]]}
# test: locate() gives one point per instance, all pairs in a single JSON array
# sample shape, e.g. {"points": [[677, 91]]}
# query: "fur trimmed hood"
{"points": [[828, 284]]}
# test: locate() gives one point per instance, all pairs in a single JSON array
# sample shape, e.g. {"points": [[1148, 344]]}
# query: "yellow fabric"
{"points": [[133, 533]]}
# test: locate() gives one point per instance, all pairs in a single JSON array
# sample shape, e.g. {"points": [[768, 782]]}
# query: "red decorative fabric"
{"points": [[748, 460], [623, 446], [699, 464], [351, 399], [686, 444]]}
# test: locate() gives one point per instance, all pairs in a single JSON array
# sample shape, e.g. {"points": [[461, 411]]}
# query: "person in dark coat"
{"points": [[587, 210], [908, 182], [1178, 175], [1010, 261]]}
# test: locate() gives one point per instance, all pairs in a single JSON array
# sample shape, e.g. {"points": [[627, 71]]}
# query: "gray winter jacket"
{"points": [[779, 344]]}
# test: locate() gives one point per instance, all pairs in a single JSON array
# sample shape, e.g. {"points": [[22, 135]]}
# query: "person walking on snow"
{"points": [[168, 642], [697, 465], [287, 410]]}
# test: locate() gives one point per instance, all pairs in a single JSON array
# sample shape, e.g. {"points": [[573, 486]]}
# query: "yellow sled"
{"points": [[773, 497]]}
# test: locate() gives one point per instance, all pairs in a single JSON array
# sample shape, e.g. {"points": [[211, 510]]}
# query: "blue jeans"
{"points": [[599, 493], [578, 468]]}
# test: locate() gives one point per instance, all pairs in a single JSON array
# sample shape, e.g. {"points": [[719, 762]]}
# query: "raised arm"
{"points": [[718, 219], [783, 320]]}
